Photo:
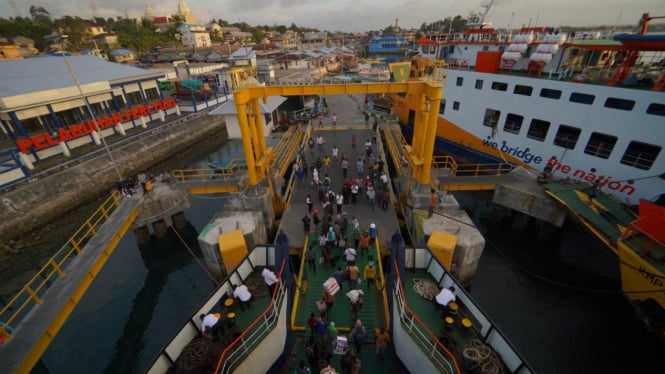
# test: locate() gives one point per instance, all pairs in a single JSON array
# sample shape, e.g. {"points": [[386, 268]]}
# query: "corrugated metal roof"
{"points": [[36, 74]]}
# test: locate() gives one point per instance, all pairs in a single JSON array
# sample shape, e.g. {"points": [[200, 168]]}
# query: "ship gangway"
{"points": [[41, 308]]}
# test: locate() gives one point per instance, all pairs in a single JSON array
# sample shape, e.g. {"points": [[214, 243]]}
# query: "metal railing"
{"points": [[438, 354], [448, 162], [30, 295], [210, 174], [236, 352]]}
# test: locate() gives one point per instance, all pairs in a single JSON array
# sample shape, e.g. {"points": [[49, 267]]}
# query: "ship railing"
{"points": [[471, 170], [239, 350], [422, 258], [436, 352], [30, 295], [225, 172], [641, 241]]}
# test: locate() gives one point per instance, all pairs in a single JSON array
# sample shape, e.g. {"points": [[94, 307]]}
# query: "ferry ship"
{"points": [[587, 106], [588, 102]]}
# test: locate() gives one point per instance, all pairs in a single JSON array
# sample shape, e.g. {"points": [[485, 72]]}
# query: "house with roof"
{"points": [[243, 56], [194, 35], [269, 109]]}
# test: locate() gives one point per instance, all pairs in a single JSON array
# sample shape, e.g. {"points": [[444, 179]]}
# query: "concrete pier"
{"points": [[528, 197], [158, 210], [252, 212], [448, 217]]}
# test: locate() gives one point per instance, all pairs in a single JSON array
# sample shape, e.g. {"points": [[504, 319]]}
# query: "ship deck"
{"points": [[606, 219]]}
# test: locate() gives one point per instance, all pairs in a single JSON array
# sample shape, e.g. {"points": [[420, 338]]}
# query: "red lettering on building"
{"points": [[44, 140]]}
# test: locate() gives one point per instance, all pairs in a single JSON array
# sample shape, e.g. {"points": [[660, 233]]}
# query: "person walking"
{"points": [[320, 141], [211, 324], [335, 153], [339, 277], [355, 304], [306, 224], [340, 201], [350, 255], [371, 196], [595, 190], [242, 294], [309, 203], [360, 166], [329, 299], [311, 258], [334, 120], [382, 339], [270, 279], [370, 273], [354, 193], [359, 335], [345, 167], [364, 243], [354, 274], [433, 200]]}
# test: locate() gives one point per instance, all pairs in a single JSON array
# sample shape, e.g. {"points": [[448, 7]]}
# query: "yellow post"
{"points": [[428, 143], [258, 122], [419, 128], [241, 107]]}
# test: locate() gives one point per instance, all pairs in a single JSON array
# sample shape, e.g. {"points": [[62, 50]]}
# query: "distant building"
{"points": [[194, 35], [48, 117], [244, 56]]}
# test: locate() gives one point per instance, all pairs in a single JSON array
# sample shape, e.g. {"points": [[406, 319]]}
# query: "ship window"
{"points": [[640, 155], [491, 118], [460, 81], [442, 107], [523, 90], [622, 104], [538, 129], [567, 136], [657, 109], [581, 98], [479, 84], [455, 105], [499, 86], [600, 145], [550, 93], [513, 123]]}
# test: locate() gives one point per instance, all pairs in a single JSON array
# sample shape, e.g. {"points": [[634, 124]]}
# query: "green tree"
{"points": [[40, 16]]}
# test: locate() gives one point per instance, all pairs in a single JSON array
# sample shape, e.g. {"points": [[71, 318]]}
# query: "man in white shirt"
{"points": [[210, 322], [271, 280], [444, 297], [242, 294], [350, 254]]}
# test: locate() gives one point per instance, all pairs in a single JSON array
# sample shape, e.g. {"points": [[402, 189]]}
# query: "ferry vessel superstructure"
{"points": [[524, 99]]}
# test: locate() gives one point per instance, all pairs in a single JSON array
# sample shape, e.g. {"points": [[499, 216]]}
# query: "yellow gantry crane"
{"points": [[426, 91]]}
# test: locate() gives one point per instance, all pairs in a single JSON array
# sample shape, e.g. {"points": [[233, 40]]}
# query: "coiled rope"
{"points": [[425, 288], [483, 357]]}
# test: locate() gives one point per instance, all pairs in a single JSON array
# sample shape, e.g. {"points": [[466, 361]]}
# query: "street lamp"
{"points": [[90, 112]]}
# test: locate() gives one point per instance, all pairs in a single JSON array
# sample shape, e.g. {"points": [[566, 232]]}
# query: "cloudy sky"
{"points": [[362, 15]]}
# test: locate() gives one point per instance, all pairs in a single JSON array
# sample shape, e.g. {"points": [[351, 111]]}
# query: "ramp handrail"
{"points": [[210, 174], [474, 170], [252, 336], [439, 354], [30, 295]]}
